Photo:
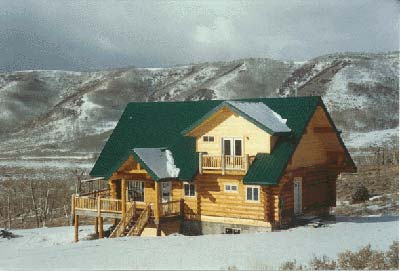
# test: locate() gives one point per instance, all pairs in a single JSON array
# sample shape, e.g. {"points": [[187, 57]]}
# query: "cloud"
{"points": [[89, 35], [221, 32]]}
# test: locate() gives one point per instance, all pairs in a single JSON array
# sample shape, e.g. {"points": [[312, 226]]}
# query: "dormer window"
{"points": [[208, 138]]}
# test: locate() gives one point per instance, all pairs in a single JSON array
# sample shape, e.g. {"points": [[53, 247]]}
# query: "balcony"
{"points": [[224, 163]]}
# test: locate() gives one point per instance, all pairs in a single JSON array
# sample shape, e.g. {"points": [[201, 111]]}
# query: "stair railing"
{"points": [[126, 218], [142, 221]]}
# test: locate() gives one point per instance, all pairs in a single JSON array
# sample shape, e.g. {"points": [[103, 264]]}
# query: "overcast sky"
{"points": [[90, 35]]}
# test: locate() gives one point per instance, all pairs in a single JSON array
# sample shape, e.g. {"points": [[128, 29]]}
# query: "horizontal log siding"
{"points": [[318, 191], [212, 200]]}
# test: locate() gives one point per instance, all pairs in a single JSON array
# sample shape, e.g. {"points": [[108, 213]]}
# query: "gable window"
{"points": [[252, 193], [231, 188], [136, 190], [208, 138], [189, 189]]}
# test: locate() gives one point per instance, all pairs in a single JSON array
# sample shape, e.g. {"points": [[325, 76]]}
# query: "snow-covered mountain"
{"points": [[60, 113]]}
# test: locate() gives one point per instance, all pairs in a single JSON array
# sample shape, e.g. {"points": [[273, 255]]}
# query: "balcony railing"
{"points": [[223, 162]]}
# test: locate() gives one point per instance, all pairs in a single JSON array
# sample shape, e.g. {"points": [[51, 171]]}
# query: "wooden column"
{"points": [[123, 196], [182, 207], [157, 203], [96, 226], [76, 228], [113, 189], [200, 163], [72, 209], [223, 164], [101, 227]]}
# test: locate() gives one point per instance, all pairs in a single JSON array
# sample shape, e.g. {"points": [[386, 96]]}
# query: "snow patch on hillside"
{"points": [[371, 139]]}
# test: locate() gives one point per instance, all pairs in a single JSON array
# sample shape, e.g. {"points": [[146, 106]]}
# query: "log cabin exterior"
{"points": [[216, 167]]}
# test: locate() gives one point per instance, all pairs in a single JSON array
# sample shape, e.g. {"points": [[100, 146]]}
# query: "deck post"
{"points": [[72, 209], [181, 207], [96, 226], [223, 164], [247, 162], [113, 192], [123, 196], [100, 227], [157, 203], [200, 163], [76, 223]]}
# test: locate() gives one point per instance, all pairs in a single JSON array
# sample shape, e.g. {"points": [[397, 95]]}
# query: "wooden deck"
{"points": [[136, 213], [222, 164]]}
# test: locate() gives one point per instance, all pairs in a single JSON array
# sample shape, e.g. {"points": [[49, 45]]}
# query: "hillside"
{"points": [[65, 117]]}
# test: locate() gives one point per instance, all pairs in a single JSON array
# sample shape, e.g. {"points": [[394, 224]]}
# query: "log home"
{"points": [[216, 167]]}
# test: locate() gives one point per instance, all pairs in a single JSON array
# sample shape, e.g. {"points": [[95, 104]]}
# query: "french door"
{"points": [[232, 152]]}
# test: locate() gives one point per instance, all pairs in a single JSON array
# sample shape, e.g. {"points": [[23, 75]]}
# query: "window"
{"points": [[208, 138], [136, 190], [232, 230], [231, 188], [252, 193], [189, 189]]}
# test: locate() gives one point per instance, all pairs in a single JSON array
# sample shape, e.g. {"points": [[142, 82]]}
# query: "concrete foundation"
{"points": [[190, 227]]}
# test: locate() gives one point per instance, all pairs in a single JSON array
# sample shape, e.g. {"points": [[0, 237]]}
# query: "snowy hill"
{"points": [[58, 114], [52, 248]]}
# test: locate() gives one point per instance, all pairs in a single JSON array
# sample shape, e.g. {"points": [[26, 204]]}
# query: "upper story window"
{"points": [[253, 193], [208, 138]]}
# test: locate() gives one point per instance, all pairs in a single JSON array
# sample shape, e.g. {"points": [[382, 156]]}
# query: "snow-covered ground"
{"points": [[51, 248]]}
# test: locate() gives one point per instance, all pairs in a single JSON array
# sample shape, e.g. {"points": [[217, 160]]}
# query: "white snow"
{"points": [[52, 248], [172, 170], [279, 117], [372, 138]]}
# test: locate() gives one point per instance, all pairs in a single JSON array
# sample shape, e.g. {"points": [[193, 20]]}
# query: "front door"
{"points": [[297, 183]]}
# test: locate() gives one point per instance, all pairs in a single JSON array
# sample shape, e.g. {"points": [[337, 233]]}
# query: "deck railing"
{"points": [[107, 205], [223, 162], [171, 208]]}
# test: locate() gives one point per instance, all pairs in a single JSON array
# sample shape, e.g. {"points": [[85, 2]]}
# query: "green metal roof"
{"points": [[159, 125]]}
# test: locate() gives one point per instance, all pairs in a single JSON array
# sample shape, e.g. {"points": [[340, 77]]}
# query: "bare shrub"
{"points": [[291, 265], [365, 258], [392, 256], [361, 193], [323, 263]]}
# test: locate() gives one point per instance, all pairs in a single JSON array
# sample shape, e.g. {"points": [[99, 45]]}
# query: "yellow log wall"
{"points": [[254, 139]]}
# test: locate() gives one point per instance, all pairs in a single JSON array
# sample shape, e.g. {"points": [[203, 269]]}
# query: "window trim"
{"points": [[194, 187], [208, 137], [252, 187], [230, 190]]}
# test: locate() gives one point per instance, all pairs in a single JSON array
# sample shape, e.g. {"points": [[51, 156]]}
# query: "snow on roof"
{"points": [[159, 160], [262, 114]]}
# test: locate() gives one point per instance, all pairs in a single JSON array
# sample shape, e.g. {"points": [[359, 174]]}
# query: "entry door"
{"points": [[166, 191], [297, 183]]}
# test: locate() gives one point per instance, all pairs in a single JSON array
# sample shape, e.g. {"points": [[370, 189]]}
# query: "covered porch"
{"points": [[132, 201]]}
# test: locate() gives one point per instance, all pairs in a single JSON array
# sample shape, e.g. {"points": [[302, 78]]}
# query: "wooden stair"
{"points": [[138, 227], [125, 224]]}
